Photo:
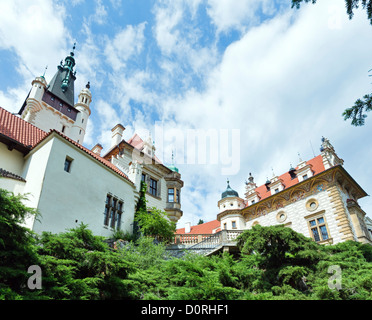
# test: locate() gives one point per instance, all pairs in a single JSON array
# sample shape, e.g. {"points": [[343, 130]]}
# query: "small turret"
{"points": [[80, 125], [329, 155]]}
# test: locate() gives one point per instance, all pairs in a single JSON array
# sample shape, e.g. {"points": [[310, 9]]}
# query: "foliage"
{"points": [[78, 265], [356, 112], [156, 224], [17, 250], [275, 263]]}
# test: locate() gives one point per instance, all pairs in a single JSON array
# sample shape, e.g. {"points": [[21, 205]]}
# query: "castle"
{"points": [[42, 156], [318, 198]]}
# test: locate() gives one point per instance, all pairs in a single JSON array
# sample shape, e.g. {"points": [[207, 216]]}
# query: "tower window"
{"points": [[82, 120], [67, 166], [63, 129], [233, 224], [171, 195]]}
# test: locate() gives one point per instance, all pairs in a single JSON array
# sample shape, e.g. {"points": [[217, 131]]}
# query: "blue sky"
{"points": [[280, 77]]}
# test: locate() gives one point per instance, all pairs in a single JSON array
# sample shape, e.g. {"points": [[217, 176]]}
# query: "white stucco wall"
{"points": [[67, 199], [11, 161]]}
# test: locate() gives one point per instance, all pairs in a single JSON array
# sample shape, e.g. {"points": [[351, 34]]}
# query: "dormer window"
{"points": [[276, 190], [305, 177]]}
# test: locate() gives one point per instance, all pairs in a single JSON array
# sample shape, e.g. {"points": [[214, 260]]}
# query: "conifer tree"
{"points": [[17, 250]]}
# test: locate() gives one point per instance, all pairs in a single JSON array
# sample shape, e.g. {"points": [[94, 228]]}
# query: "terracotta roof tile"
{"points": [[30, 136], [205, 228], [316, 166], [19, 130], [92, 154], [10, 175]]}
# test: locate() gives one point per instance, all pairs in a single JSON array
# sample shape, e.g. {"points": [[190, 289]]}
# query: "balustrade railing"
{"points": [[205, 241]]}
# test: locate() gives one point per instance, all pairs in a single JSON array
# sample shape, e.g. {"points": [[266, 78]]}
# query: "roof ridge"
{"points": [[89, 152]]}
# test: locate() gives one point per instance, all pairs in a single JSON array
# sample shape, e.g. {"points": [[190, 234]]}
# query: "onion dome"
{"points": [[229, 192]]}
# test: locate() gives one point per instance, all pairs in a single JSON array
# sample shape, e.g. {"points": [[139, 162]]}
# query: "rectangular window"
{"points": [[143, 178], [178, 200], [225, 226], [153, 187], [112, 213], [63, 129], [318, 227], [233, 224], [67, 166], [171, 195]]}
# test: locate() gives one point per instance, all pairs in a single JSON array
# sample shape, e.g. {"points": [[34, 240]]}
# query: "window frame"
{"points": [[113, 212], [171, 193], [153, 187], [68, 162], [319, 227]]}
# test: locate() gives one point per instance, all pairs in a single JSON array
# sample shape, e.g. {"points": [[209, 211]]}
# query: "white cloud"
{"points": [[229, 14], [126, 43], [35, 33], [283, 84], [100, 14]]}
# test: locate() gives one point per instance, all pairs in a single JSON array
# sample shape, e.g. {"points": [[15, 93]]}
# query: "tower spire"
{"points": [[62, 84]]}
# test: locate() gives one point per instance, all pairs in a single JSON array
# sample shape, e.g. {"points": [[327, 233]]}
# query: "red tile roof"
{"points": [[92, 154], [137, 142], [205, 228], [30, 136], [19, 130], [317, 166]]}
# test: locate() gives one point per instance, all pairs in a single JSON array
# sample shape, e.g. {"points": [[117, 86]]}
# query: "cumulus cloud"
{"points": [[126, 43], [35, 33], [284, 84]]}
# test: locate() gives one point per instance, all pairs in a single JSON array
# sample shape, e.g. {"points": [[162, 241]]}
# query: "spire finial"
{"points": [[46, 67], [73, 49]]}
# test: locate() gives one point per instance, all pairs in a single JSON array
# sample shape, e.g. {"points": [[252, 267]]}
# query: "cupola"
{"points": [[229, 192]]}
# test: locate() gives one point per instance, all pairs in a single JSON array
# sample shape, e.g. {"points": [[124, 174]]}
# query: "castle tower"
{"points": [[52, 105], [230, 207], [79, 127]]}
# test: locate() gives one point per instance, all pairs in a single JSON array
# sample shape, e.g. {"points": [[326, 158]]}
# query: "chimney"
{"points": [[187, 227], [97, 149], [117, 135]]}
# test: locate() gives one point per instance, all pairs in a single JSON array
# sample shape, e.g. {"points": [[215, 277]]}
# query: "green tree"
{"points": [[356, 112], [78, 265], [17, 250], [156, 223]]}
